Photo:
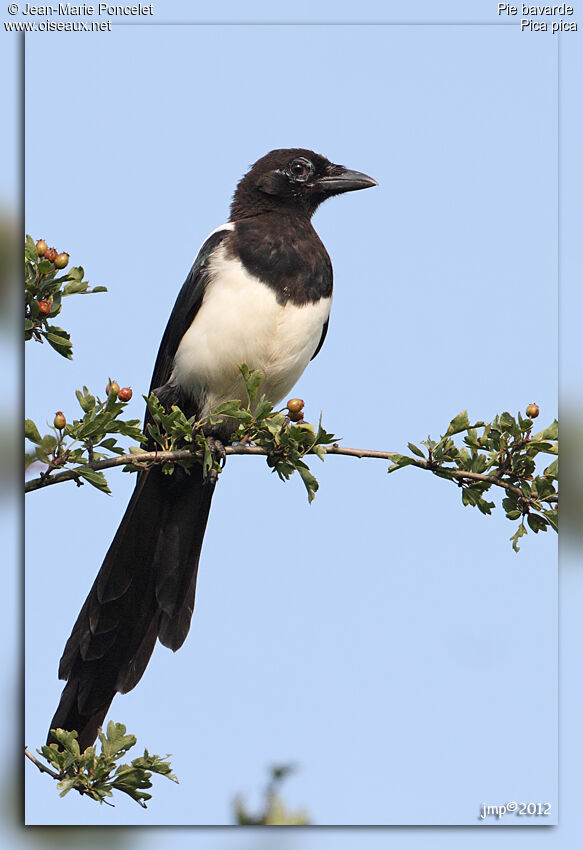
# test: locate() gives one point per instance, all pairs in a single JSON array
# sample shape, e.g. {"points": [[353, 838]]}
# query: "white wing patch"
{"points": [[230, 225], [240, 321]]}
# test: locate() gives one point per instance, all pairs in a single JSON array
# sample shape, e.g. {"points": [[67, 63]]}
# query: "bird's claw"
{"points": [[217, 450]]}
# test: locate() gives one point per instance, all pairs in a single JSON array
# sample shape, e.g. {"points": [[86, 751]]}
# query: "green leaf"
{"points": [[507, 421], [544, 486], [31, 432], [111, 445], [484, 506], [85, 399], [156, 764], [542, 446], [520, 532], [49, 442], [252, 381], [253, 385], [60, 341], [550, 433], [553, 518], [94, 477], [30, 251], [68, 740], [472, 441], [227, 408], [76, 273], [472, 495], [93, 427], [513, 514], [41, 455], [116, 742], [323, 437], [415, 450], [74, 286], [67, 784], [478, 463], [309, 480], [262, 409], [56, 305], [53, 755], [398, 461], [537, 522], [553, 470], [458, 423]]}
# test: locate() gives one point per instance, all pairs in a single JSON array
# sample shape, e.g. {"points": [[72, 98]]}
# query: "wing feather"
{"points": [[186, 307]]}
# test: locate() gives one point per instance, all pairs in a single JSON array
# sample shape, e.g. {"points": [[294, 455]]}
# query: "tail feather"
{"points": [[145, 590], [173, 630], [69, 717], [131, 673], [175, 586]]}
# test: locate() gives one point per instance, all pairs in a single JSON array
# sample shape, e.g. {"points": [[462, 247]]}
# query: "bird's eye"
{"points": [[300, 169]]}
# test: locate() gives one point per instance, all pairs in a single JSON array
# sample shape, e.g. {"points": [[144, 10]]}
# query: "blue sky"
{"points": [[386, 639]]}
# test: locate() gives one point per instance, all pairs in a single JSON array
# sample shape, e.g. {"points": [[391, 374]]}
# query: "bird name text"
{"points": [[533, 16]]}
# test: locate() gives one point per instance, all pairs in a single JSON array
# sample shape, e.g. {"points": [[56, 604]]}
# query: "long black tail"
{"points": [[144, 590]]}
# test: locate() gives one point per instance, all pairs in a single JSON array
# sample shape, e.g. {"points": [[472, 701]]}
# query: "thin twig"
{"points": [[43, 768], [461, 474]]}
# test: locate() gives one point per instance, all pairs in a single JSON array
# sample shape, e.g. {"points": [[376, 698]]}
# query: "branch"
{"points": [[157, 458], [40, 765], [464, 475], [147, 459], [58, 776]]}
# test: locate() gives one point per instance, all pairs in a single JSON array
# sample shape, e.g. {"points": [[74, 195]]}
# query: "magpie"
{"points": [[259, 293]]}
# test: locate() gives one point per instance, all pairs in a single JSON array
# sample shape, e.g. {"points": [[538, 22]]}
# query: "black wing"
{"points": [[145, 588], [185, 309]]}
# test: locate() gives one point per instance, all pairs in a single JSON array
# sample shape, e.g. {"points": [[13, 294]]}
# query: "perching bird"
{"points": [[259, 293]]}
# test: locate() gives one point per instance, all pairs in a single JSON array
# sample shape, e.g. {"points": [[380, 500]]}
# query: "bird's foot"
{"points": [[217, 450]]}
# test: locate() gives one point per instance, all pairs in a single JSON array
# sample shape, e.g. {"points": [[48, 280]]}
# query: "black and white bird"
{"points": [[259, 293]]}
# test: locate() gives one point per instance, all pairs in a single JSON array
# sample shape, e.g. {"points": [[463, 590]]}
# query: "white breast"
{"points": [[240, 321]]}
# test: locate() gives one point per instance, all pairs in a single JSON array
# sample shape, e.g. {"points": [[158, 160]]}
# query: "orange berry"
{"points": [[294, 405], [61, 260], [124, 394], [532, 411]]}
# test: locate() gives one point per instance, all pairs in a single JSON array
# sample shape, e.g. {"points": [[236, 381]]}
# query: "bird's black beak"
{"points": [[345, 180]]}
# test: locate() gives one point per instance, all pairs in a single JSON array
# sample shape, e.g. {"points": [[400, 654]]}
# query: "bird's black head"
{"points": [[293, 179]]}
